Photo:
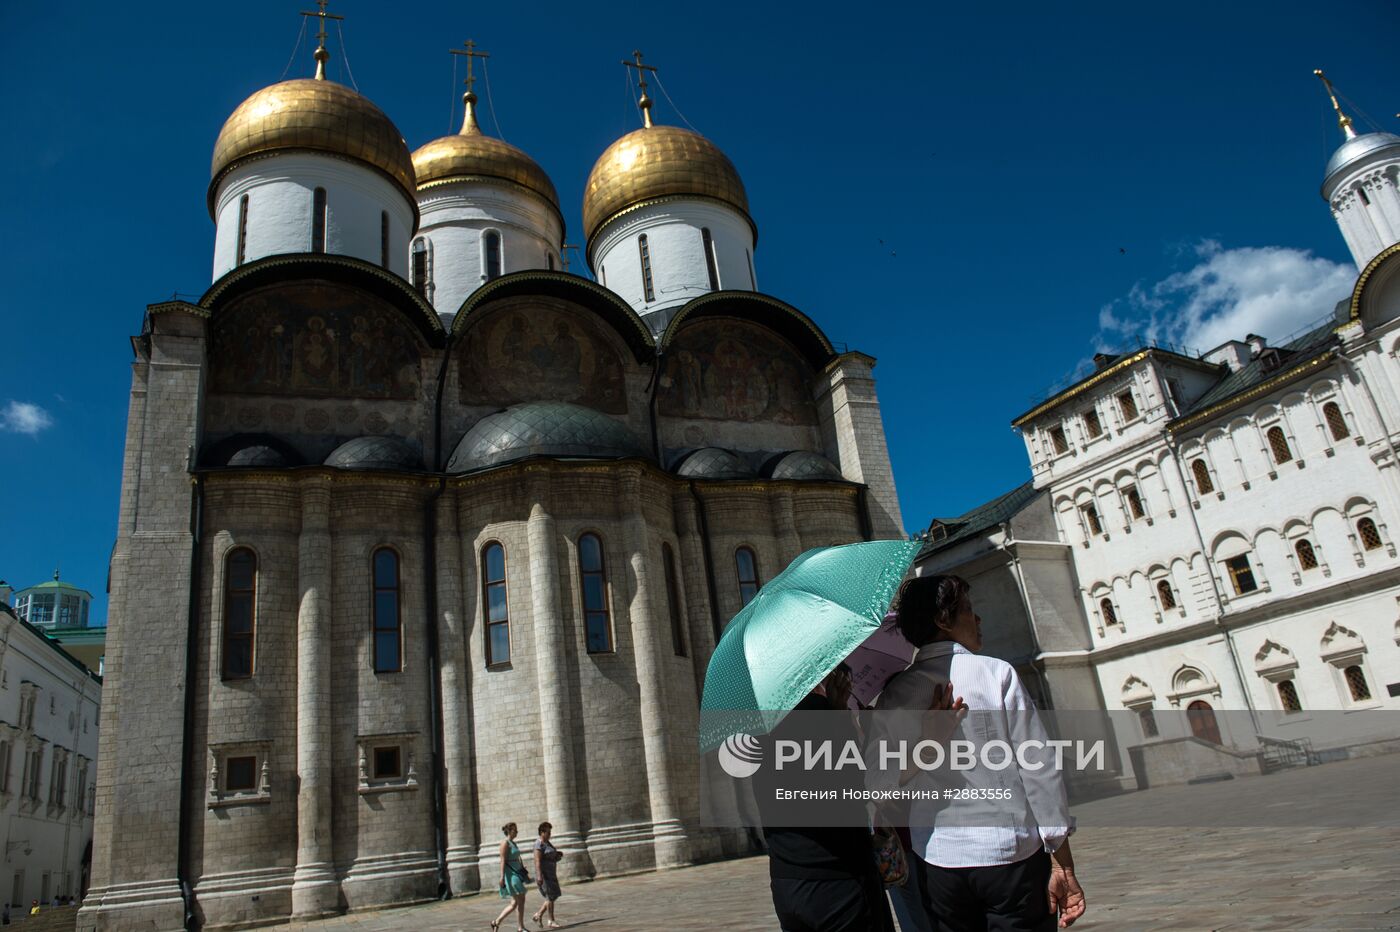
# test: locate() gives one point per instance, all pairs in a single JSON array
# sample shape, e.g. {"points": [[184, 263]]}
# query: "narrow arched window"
{"points": [[318, 220], [384, 238], [420, 265], [240, 612], [1356, 683], [746, 564], [1165, 594], [1110, 617], [709, 244], [1278, 443], [1148, 722], [673, 600], [388, 627], [1307, 558], [593, 577], [1336, 423], [1202, 476], [1091, 519], [644, 252], [1288, 697], [493, 255], [1370, 537], [493, 592], [242, 229], [549, 261], [1134, 500]]}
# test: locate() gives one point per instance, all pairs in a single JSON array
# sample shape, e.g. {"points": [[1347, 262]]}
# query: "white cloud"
{"points": [[1229, 293], [22, 417]]}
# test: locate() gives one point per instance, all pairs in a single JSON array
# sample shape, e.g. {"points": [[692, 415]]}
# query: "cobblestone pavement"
{"points": [[1160, 877]]}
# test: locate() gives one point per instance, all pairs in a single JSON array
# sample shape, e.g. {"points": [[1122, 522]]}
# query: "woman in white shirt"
{"points": [[1011, 868]]}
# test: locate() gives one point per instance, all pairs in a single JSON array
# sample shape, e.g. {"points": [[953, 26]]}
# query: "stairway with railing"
{"points": [[1282, 753]]}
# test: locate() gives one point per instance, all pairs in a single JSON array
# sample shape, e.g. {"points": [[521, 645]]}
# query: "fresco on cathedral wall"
{"points": [[732, 370], [316, 340], [543, 354]]}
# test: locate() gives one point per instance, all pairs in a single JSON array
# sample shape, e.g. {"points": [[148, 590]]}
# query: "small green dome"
{"points": [[543, 428]]}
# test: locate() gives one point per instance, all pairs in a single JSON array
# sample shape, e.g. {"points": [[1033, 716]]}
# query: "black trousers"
{"points": [[999, 898], [851, 904]]}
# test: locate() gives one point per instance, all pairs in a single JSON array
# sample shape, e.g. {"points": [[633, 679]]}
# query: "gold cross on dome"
{"points": [[645, 102], [322, 15], [470, 53], [321, 54]]}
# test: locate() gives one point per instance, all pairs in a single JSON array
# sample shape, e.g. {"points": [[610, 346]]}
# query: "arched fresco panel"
{"points": [[314, 339], [541, 354], [731, 370]]}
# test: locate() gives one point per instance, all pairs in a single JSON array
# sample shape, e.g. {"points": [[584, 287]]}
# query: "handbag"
{"points": [[890, 862], [523, 873]]}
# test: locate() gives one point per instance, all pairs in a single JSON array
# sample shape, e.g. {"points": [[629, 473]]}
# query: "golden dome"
{"points": [[655, 162], [315, 114], [473, 154]]}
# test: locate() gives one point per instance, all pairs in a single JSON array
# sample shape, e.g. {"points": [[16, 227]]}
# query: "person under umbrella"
{"points": [[1013, 871]]}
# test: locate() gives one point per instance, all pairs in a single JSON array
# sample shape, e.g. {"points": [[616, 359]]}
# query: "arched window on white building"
{"points": [[420, 265], [319, 208], [644, 255], [492, 264]]}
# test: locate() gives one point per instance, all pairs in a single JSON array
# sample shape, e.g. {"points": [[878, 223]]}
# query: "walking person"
{"points": [[5, 916], [1012, 871], [513, 880], [547, 858]]}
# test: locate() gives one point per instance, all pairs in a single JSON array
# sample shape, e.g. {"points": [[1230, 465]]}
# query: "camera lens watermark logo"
{"points": [[740, 756]]}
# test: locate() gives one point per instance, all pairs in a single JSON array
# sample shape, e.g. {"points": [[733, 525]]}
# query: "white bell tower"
{"points": [[1363, 187]]}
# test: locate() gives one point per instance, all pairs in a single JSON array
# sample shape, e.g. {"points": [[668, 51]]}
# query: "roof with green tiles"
{"points": [[1264, 367], [985, 516]]}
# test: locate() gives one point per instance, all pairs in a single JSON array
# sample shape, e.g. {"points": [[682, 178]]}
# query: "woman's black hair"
{"points": [[505, 829], [926, 604]]}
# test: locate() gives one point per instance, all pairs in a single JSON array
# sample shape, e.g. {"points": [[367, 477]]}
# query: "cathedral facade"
{"points": [[420, 534]]}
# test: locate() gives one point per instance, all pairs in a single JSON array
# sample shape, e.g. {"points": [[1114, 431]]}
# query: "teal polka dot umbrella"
{"points": [[803, 623]]}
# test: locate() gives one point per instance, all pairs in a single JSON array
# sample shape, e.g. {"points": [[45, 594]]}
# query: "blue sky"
{"points": [[977, 196]]}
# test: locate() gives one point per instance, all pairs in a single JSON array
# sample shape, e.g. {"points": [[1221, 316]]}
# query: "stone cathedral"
{"points": [[421, 534]]}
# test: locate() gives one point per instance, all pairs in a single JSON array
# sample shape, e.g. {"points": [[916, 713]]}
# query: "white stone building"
{"points": [[1224, 524], [49, 707]]}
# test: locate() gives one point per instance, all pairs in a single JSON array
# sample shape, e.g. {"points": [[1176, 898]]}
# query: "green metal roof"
{"points": [[1247, 376], [981, 518], [55, 584]]}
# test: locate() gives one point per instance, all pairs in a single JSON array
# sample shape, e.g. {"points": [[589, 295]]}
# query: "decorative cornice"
{"points": [[1366, 273], [758, 297], [177, 307], [320, 258], [485, 292], [1263, 388], [1082, 387], [312, 475]]}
